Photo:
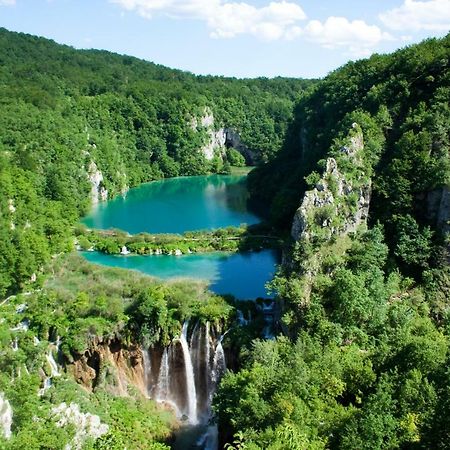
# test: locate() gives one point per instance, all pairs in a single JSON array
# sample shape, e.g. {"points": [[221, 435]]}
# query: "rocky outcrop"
{"points": [[112, 365], [218, 140], [87, 426], [6, 416], [339, 202], [95, 177]]}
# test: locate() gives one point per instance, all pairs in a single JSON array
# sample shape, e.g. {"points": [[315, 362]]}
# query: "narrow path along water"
{"points": [[188, 204]]}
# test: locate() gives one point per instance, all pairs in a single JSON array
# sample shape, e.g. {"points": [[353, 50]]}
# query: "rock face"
{"points": [[98, 191], [112, 365], [338, 204], [233, 140], [6, 415], [86, 425], [438, 208], [218, 140]]}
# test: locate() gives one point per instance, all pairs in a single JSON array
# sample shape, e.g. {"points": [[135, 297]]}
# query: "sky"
{"points": [[248, 38]]}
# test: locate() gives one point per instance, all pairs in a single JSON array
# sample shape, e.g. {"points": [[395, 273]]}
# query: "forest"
{"points": [[67, 113], [361, 359]]}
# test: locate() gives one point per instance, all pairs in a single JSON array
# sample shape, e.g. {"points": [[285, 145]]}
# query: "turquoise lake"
{"points": [[241, 274], [187, 204], [177, 205]]}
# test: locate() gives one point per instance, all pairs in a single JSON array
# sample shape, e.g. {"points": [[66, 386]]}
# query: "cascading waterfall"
{"points": [[52, 363], [190, 381], [163, 392], [54, 371], [185, 375], [147, 369], [163, 387], [208, 360], [219, 364]]}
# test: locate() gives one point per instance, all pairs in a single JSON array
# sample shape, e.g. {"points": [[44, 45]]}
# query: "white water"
{"points": [[163, 394], [52, 363], [219, 364], [190, 381], [54, 371], [47, 385], [147, 370], [208, 359], [6, 415], [190, 370], [162, 389]]}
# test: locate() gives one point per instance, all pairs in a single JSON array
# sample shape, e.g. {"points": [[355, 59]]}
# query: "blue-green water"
{"points": [[187, 204], [176, 205], [241, 274]]}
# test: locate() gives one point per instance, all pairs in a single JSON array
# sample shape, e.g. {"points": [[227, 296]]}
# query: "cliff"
{"points": [[339, 202], [219, 138], [112, 365]]}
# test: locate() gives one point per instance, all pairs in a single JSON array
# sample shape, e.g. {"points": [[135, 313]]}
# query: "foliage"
{"points": [[67, 114]]}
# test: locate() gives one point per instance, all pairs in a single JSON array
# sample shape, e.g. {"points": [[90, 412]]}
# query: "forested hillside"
{"points": [[363, 184], [81, 125], [356, 167]]}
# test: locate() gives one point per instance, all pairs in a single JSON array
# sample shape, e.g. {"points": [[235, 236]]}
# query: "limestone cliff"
{"points": [[86, 425], [219, 139], [339, 202], [95, 177], [112, 365]]}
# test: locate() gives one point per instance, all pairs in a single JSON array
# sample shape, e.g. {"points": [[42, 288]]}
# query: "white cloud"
{"points": [[277, 20], [7, 2], [356, 36], [433, 15]]}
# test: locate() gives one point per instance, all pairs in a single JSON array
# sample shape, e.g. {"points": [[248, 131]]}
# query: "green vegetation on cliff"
{"points": [[363, 360]]}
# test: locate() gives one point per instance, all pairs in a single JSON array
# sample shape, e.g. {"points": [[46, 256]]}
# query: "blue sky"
{"points": [[248, 38]]}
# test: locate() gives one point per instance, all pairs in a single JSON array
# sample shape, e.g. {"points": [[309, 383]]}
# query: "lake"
{"points": [[241, 274], [176, 205], [186, 204]]}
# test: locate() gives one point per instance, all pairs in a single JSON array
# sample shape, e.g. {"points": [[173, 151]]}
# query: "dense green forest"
{"points": [[361, 360], [68, 116]]}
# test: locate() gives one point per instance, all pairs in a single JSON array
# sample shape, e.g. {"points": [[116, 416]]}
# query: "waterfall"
{"points": [[54, 372], [52, 363], [6, 415], [46, 385], [219, 364], [163, 392], [190, 369], [208, 359], [163, 387], [190, 381], [147, 369]]}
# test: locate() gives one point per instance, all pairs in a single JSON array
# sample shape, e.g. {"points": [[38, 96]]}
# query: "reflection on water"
{"points": [[240, 274], [177, 205]]}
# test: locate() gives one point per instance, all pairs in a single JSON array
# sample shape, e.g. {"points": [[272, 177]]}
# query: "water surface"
{"points": [[240, 274], [177, 205]]}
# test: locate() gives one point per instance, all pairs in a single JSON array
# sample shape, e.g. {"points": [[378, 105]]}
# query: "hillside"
{"points": [[362, 183], [83, 125], [355, 167]]}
